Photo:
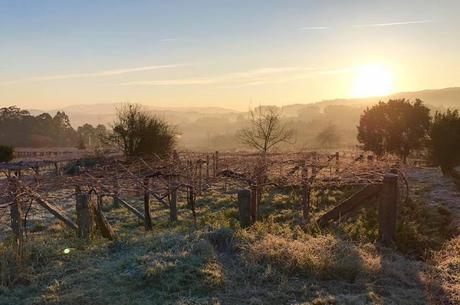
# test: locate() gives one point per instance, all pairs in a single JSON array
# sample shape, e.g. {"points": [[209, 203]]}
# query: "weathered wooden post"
{"points": [[216, 163], [207, 168], [388, 209], [244, 206], [200, 176], [337, 162], [305, 197], [191, 202], [148, 217], [173, 201], [84, 214], [57, 170], [17, 220], [102, 223]]}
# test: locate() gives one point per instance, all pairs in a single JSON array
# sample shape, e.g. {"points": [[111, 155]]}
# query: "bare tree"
{"points": [[265, 130]]}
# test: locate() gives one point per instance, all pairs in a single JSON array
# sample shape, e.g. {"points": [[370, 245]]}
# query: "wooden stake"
{"points": [[191, 200], [388, 208], [101, 222], [17, 222], [84, 215], [305, 193], [207, 168], [173, 202], [148, 216], [244, 206], [200, 178]]}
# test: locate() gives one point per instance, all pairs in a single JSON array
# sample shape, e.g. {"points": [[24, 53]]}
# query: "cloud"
{"points": [[373, 25], [259, 76], [370, 25], [314, 28], [103, 73]]}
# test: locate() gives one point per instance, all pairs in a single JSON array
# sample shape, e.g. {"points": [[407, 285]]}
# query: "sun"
{"points": [[372, 81]]}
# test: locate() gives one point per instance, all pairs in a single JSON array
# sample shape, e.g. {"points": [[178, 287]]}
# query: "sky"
{"points": [[233, 54]]}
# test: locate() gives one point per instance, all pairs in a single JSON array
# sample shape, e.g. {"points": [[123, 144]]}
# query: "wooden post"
{"points": [[148, 216], [244, 206], [173, 202], [337, 162], [84, 215], [102, 223], [207, 168], [388, 208], [191, 202], [305, 197], [200, 178], [17, 221], [57, 169], [216, 163]]}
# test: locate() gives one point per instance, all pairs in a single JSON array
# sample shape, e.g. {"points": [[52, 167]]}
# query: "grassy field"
{"points": [[214, 261]]}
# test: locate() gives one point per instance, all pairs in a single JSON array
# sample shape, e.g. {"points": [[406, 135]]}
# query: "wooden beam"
{"points": [[351, 204], [119, 200], [58, 213], [131, 208]]}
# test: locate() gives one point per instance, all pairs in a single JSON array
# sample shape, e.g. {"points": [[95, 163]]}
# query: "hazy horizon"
{"points": [[230, 54]]}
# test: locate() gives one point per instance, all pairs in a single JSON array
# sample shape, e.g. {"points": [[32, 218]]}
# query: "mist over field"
{"points": [[211, 128]]}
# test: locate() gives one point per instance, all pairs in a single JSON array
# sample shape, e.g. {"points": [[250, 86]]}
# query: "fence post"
{"points": [[173, 201], [388, 207], [207, 168], [57, 169], [200, 178], [305, 197], [17, 220], [101, 221], [191, 202], [148, 216], [216, 163], [244, 206], [84, 216], [337, 162]]}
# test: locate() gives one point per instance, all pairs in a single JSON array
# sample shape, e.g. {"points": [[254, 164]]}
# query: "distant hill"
{"points": [[436, 98], [105, 113]]}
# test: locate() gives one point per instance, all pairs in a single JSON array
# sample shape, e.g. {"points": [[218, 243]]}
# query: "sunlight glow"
{"points": [[372, 81]]}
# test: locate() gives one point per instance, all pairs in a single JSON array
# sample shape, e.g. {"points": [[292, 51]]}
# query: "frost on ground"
{"points": [[430, 185]]}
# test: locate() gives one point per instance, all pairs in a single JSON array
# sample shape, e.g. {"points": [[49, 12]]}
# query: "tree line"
{"points": [[396, 127]]}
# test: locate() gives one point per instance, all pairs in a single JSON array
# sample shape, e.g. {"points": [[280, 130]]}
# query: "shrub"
{"points": [[445, 140], [396, 127], [6, 153], [138, 132]]}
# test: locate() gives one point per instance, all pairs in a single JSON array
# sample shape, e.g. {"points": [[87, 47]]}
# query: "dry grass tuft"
{"points": [[325, 257], [447, 270]]}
